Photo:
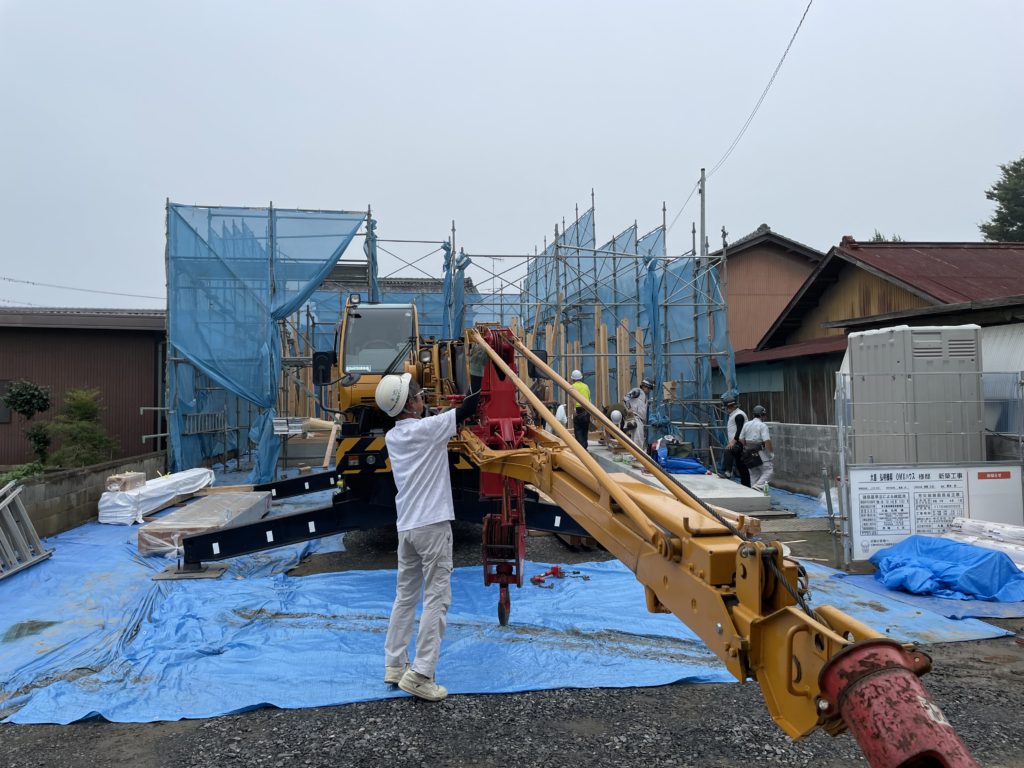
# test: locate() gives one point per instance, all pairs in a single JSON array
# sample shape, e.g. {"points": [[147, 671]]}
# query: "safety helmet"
{"points": [[647, 383], [760, 410], [728, 400], [616, 416], [576, 376], [392, 392]]}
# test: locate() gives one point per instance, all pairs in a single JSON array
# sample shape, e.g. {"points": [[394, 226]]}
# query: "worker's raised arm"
{"points": [[467, 408]]}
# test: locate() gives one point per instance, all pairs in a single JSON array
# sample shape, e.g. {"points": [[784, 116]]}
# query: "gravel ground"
{"points": [[979, 685]]}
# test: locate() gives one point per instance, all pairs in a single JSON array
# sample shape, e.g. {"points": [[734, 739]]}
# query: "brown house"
{"points": [[792, 368], [118, 351], [760, 273]]}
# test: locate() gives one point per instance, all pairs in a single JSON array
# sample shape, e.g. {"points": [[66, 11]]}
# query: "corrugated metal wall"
{"points": [[123, 365], [1002, 347], [856, 294], [807, 390], [759, 284]]}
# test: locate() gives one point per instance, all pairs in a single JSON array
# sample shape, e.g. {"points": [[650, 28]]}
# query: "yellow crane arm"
{"points": [[738, 593]]}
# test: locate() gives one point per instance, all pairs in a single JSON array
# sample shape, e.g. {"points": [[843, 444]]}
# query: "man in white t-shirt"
{"points": [[755, 435], [418, 451], [733, 446]]}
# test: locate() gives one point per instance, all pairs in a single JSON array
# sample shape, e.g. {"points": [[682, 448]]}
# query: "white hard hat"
{"points": [[616, 417], [392, 392], [576, 376]]}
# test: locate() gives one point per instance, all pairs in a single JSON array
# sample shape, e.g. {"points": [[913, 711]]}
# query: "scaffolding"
{"points": [[254, 292], [620, 312]]}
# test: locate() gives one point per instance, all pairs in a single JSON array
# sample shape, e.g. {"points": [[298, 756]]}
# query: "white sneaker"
{"points": [[393, 674], [422, 687]]}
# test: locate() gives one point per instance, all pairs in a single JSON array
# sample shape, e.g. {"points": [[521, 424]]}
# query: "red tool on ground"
{"points": [[554, 571]]}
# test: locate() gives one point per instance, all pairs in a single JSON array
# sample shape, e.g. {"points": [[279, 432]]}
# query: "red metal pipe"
{"points": [[874, 685]]}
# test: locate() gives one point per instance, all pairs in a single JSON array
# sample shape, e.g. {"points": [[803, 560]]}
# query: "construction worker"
{"points": [[418, 450], [758, 452], [581, 416], [733, 447], [637, 405]]}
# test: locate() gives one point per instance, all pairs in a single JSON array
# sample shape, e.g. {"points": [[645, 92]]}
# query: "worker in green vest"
{"points": [[581, 416]]}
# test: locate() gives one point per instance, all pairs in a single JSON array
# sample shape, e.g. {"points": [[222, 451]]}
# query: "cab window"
{"points": [[374, 337]]}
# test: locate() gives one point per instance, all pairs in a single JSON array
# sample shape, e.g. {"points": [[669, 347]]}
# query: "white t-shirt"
{"points": [[756, 431], [418, 449], [731, 428]]}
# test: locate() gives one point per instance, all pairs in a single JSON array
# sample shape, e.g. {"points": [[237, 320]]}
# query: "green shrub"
{"points": [[20, 472], [39, 437], [79, 432], [27, 399]]}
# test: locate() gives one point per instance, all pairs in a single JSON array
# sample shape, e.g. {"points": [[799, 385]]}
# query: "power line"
{"points": [[82, 290], [19, 303], [764, 93], [683, 208], [750, 117]]}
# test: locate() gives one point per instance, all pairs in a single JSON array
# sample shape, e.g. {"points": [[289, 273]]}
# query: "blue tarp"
{"points": [[903, 622], [88, 633], [927, 565], [799, 504], [953, 609], [680, 466]]}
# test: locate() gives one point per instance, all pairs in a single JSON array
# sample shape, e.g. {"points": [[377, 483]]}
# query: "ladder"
{"points": [[19, 543]]}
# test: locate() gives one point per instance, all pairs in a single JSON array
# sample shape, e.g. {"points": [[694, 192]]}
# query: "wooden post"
{"points": [[330, 446], [639, 354], [622, 360]]}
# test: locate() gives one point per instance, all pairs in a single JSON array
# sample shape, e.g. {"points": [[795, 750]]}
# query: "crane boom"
{"points": [[739, 593]]}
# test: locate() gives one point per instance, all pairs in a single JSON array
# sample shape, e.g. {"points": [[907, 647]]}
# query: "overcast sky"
{"points": [[503, 117]]}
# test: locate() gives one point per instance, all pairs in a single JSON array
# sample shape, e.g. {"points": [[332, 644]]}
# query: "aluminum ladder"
{"points": [[19, 543]]}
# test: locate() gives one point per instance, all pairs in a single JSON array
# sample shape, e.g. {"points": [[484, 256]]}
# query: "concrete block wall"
{"points": [[800, 450], [60, 501]]}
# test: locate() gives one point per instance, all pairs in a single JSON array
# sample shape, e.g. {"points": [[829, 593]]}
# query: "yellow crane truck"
{"points": [[817, 667]]}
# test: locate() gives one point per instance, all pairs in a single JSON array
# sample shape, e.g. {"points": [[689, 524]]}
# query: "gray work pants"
{"points": [[759, 476], [424, 565]]}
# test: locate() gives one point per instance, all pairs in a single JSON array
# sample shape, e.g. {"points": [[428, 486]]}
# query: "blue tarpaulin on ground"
{"points": [[953, 609], [906, 623], [88, 633], [928, 565]]}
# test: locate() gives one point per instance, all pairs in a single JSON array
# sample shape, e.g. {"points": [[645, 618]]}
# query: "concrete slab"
{"points": [[711, 489]]}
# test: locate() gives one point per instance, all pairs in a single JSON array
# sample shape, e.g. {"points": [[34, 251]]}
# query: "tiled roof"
{"points": [[764, 235], [947, 272], [822, 346]]}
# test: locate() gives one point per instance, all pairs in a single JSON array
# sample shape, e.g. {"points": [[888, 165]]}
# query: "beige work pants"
{"points": [[424, 567]]}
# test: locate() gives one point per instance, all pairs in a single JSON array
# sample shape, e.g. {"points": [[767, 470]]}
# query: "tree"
{"points": [[83, 439], [27, 399], [878, 237], [1007, 223]]}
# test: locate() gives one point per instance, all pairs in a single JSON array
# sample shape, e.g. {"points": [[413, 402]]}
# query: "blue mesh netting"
{"points": [[232, 273], [681, 312]]}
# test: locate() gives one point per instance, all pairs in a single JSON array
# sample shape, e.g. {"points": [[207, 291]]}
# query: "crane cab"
{"points": [[375, 339]]}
